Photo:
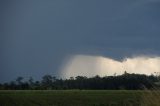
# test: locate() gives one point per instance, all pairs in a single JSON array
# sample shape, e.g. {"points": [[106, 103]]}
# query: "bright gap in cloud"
{"points": [[85, 65]]}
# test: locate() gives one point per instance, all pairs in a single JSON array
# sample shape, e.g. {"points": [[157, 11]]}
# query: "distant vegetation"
{"points": [[121, 82]]}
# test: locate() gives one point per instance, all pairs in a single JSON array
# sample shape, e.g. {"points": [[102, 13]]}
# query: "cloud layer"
{"points": [[85, 65]]}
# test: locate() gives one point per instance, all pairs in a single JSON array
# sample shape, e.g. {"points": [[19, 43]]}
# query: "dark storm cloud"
{"points": [[36, 35]]}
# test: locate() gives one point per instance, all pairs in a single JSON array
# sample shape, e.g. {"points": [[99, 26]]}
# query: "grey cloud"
{"points": [[37, 35]]}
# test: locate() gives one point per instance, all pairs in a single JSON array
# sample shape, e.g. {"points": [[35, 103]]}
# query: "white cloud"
{"points": [[89, 66]]}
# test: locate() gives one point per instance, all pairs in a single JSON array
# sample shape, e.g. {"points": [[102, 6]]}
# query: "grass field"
{"points": [[73, 98]]}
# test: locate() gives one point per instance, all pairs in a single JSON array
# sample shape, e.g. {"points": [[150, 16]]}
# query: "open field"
{"points": [[72, 98]]}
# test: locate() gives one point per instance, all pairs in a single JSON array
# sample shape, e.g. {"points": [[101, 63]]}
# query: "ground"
{"points": [[70, 97]]}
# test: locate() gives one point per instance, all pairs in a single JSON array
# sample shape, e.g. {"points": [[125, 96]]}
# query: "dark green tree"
{"points": [[47, 82]]}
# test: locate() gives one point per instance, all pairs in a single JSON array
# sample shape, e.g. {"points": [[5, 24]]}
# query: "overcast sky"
{"points": [[37, 35]]}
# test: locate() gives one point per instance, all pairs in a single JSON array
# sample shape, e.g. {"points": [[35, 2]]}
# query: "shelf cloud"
{"points": [[86, 65]]}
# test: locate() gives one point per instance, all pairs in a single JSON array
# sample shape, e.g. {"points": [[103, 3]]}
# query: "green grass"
{"points": [[71, 98]]}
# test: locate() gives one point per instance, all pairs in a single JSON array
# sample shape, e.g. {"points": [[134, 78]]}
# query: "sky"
{"points": [[37, 36]]}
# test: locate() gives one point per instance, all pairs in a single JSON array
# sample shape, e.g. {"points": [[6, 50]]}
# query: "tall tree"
{"points": [[47, 82]]}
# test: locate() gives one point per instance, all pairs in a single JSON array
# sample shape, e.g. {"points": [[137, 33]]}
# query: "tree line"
{"points": [[125, 81]]}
